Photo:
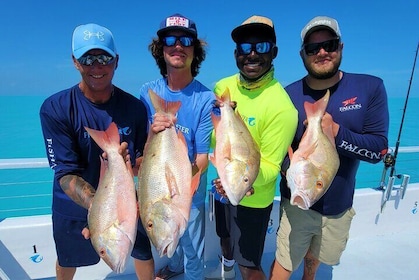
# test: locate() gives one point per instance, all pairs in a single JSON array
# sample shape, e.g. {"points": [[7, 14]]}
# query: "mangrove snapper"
{"points": [[112, 216], [236, 155], [314, 164], [166, 185]]}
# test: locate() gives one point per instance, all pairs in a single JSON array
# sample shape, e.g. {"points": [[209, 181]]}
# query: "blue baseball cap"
{"points": [[178, 22], [92, 36]]}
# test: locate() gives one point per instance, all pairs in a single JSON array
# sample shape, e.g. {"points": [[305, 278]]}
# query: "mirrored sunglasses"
{"points": [[260, 48], [328, 46], [102, 59], [185, 41]]}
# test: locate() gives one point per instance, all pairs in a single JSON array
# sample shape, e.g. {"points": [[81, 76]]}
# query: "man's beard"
{"points": [[323, 75]]}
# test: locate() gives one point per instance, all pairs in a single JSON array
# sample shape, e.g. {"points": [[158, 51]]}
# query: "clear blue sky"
{"points": [[380, 38]]}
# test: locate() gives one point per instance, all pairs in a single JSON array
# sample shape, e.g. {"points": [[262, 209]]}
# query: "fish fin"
{"points": [[226, 154], [196, 178], [182, 140], [240, 116], [212, 158], [171, 182], [317, 108], [328, 131], [161, 105], [290, 152], [103, 167], [215, 120], [105, 139]]}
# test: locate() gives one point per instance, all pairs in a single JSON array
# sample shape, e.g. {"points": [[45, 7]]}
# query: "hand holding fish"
{"points": [[218, 104], [219, 187], [327, 123], [161, 122]]}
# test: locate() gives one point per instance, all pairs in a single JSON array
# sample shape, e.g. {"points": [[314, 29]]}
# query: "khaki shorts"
{"points": [[303, 230]]}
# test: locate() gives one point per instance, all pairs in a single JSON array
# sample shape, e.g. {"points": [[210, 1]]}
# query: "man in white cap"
{"points": [[94, 102], [357, 114]]}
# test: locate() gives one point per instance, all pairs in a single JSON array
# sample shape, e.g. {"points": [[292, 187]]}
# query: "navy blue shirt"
{"points": [[358, 103], [69, 148]]}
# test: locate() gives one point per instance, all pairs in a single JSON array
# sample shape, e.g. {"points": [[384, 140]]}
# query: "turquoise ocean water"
{"points": [[28, 191]]}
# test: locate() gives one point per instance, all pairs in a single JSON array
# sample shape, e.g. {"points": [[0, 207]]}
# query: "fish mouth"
{"points": [[301, 200], [166, 249]]}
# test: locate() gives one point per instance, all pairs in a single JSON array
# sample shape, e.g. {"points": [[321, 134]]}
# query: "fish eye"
{"points": [[149, 225], [246, 179], [319, 184]]}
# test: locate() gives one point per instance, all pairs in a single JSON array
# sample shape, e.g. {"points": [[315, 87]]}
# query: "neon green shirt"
{"points": [[272, 121]]}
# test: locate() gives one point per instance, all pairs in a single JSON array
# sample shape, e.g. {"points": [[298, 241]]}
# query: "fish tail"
{"points": [[318, 108], [225, 97], [159, 104], [105, 139]]}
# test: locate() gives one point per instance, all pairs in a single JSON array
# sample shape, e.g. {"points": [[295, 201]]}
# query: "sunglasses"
{"points": [[185, 41], [89, 59], [260, 48], [328, 46]]}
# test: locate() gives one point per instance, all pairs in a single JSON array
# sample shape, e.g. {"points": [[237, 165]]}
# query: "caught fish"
{"points": [[314, 164], [112, 217], [166, 185], [236, 155]]}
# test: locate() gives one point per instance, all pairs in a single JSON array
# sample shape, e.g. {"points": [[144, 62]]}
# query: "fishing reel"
{"points": [[389, 160]]}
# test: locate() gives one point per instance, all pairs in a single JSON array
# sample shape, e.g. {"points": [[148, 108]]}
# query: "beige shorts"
{"points": [[303, 230]]}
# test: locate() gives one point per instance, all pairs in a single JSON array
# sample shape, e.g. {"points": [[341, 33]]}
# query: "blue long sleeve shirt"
{"points": [[69, 148], [358, 103]]}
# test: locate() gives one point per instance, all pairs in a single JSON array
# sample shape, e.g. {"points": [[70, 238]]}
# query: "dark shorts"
{"points": [[73, 250], [142, 245], [221, 226], [248, 232]]}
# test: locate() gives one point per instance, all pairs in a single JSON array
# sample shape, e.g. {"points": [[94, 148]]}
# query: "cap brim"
{"points": [[80, 52], [316, 28], [163, 31], [260, 29]]}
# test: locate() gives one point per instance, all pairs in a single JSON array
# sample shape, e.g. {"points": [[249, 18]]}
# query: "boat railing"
{"points": [[22, 195]]}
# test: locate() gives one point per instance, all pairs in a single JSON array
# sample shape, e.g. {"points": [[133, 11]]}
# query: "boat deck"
{"points": [[381, 245]]}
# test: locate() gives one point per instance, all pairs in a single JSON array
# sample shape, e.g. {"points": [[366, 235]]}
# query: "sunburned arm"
{"points": [[80, 191]]}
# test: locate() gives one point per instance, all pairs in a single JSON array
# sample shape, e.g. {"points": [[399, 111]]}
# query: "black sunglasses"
{"points": [[328, 46], [260, 48], [89, 59], [185, 41]]}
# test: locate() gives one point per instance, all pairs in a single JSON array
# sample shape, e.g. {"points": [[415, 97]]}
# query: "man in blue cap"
{"points": [[179, 53], [94, 102]]}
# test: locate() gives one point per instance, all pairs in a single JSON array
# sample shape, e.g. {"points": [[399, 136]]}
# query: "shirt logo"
{"points": [[349, 101], [350, 105], [252, 121]]}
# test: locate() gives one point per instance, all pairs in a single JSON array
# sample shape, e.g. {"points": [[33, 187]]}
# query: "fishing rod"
{"points": [[390, 159]]}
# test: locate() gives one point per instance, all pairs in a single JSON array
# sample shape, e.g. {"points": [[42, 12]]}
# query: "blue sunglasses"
{"points": [[260, 48], [185, 41], [89, 59]]}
